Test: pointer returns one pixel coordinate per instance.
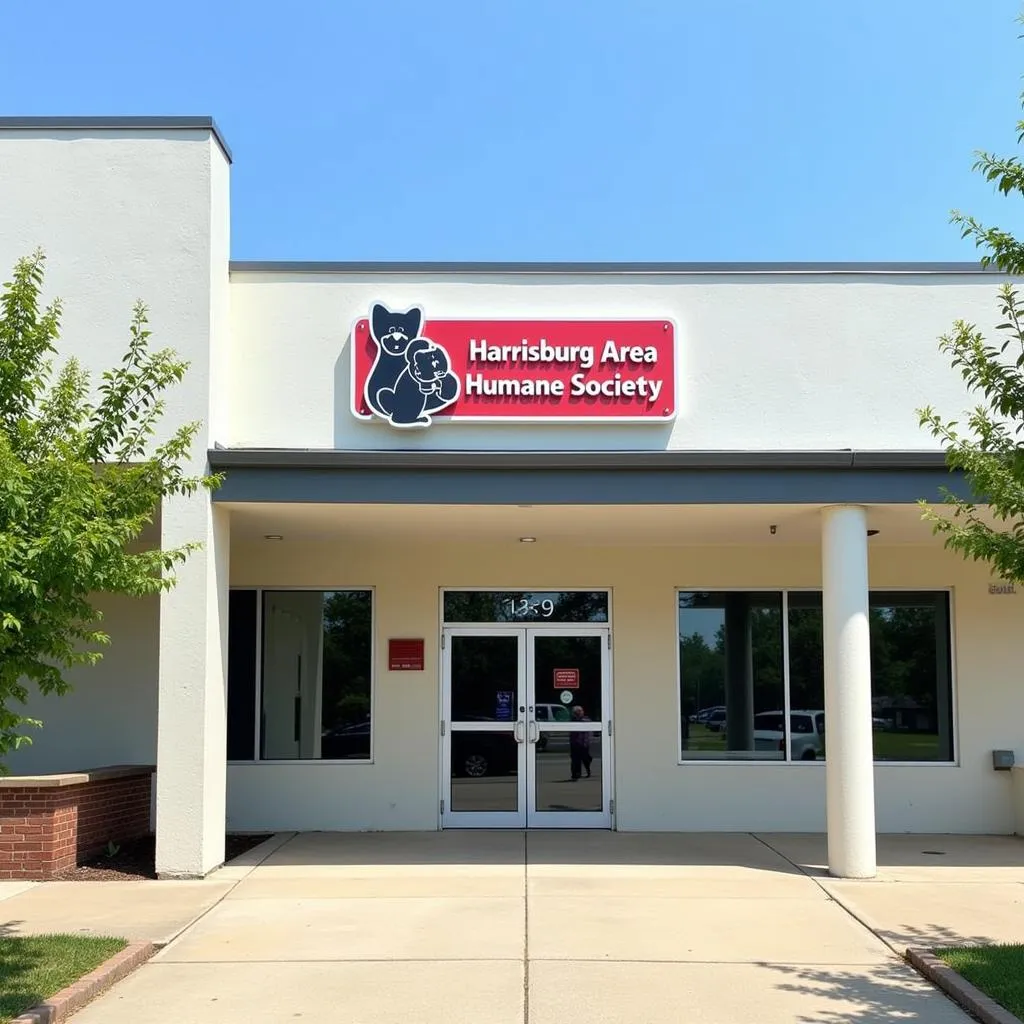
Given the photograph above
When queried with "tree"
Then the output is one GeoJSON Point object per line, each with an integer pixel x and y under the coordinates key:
{"type": "Point", "coordinates": [988, 447]}
{"type": "Point", "coordinates": [81, 476]}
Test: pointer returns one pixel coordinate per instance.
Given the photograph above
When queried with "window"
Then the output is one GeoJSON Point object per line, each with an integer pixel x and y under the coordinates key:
{"type": "Point", "coordinates": [730, 673]}
{"type": "Point", "coordinates": [241, 675]}
{"type": "Point", "coordinates": [525, 606]}
{"type": "Point", "coordinates": [911, 677]}
{"type": "Point", "coordinates": [552, 713]}
{"type": "Point", "coordinates": [313, 690]}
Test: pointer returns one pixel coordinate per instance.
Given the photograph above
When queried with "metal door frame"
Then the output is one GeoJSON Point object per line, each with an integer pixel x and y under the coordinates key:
{"type": "Point", "coordinates": [569, 819]}
{"type": "Point", "coordinates": [527, 730]}
{"type": "Point", "coordinates": [482, 819]}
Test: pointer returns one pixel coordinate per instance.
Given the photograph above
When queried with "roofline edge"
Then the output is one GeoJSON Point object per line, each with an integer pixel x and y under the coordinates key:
{"type": "Point", "coordinates": [70, 123]}
{"type": "Point", "coordinates": [568, 267]}
{"type": "Point", "coordinates": [310, 458]}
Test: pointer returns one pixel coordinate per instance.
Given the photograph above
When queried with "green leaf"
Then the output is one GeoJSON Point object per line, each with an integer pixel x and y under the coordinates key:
{"type": "Point", "coordinates": [79, 482]}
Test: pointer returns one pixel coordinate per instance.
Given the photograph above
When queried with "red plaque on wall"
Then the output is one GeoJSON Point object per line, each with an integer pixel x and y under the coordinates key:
{"type": "Point", "coordinates": [405, 655]}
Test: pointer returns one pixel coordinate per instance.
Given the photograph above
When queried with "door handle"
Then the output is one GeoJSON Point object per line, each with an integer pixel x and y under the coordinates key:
{"type": "Point", "coordinates": [519, 732]}
{"type": "Point", "coordinates": [534, 732]}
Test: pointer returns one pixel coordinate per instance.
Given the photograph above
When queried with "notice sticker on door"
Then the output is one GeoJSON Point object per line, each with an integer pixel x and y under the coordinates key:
{"type": "Point", "coordinates": [567, 678]}
{"type": "Point", "coordinates": [503, 709]}
{"type": "Point", "coordinates": [565, 697]}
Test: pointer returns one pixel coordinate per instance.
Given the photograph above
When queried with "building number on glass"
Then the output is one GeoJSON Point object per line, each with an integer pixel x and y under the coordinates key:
{"type": "Point", "coordinates": [525, 606]}
{"type": "Point", "coordinates": [521, 607]}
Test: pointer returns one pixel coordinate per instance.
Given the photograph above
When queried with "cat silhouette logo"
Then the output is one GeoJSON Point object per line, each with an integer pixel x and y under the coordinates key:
{"type": "Point", "coordinates": [411, 376]}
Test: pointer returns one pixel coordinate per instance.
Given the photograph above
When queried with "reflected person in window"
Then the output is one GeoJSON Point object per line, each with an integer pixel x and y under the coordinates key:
{"type": "Point", "coordinates": [579, 746]}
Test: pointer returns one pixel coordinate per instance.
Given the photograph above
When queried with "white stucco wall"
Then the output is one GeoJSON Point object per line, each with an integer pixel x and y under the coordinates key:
{"type": "Point", "coordinates": [143, 213]}
{"type": "Point", "coordinates": [401, 789]}
{"type": "Point", "coordinates": [110, 715]}
{"type": "Point", "coordinates": [769, 361]}
{"type": "Point", "coordinates": [122, 216]}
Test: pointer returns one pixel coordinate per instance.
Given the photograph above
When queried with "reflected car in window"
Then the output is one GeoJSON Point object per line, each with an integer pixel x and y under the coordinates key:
{"type": "Point", "coordinates": [806, 733]}
{"type": "Point", "coordinates": [550, 713]}
{"type": "Point", "coordinates": [705, 713]}
{"type": "Point", "coordinates": [476, 754]}
{"type": "Point", "coordinates": [346, 742]}
{"type": "Point", "coordinates": [715, 721]}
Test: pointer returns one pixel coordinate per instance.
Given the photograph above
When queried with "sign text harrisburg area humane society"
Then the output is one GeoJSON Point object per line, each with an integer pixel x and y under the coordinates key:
{"type": "Point", "coordinates": [546, 369]}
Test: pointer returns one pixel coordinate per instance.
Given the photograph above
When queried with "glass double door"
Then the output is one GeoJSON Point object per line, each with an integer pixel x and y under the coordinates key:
{"type": "Point", "coordinates": [526, 728]}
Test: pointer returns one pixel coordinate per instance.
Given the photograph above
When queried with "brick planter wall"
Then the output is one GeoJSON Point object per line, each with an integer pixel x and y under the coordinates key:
{"type": "Point", "coordinates": [49, 822]}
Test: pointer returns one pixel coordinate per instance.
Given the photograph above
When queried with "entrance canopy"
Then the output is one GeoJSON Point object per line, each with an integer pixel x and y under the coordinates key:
{"type": "Point", "coordinates": [604, 525]}
{"type": "Point", "coordinates": [582, 478]}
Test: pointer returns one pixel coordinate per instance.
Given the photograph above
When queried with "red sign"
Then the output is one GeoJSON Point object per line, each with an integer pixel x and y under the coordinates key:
{"type": "Point", "coordinates": [405, 655]}
{"type": "Point", "coordinates": [567, 678]}
{"type": "Point", "coordinates": [408, 370]}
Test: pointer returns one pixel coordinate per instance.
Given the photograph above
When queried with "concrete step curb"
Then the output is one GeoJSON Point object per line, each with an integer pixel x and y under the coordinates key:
{"type": "Point", "coordinates": [961, 991]}
{"type": "Point", "coordinates": [71, 999]}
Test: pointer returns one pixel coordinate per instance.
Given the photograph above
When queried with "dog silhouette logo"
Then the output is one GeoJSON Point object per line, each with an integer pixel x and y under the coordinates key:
{"type": "Point", "coordinates": [412, 376]}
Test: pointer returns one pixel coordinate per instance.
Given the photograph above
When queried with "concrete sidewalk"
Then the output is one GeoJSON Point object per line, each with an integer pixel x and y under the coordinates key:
{"type": "Point", "coordinates": [573, 927]}
{"type": "Point", "coordinates": [931, 891]}
{"type": "Point", "coordinates": [150, 910]}
{"type": "Point", "coordinates": [157, 911]}
{"type": "Point", "coordinates": [580, 927]}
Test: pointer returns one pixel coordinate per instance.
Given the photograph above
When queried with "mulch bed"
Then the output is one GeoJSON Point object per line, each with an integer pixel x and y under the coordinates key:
{"type": "Point", "coordinates": [135, 860]}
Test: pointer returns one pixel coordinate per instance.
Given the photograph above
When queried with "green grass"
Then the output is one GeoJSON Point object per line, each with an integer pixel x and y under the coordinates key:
{"type": "Point", "coordinates": [702, 738]}
{"type": "Point", "coordinates": [906, 746]}
{"type": "Point", "coordinates": [33, 968]}
{"type": "Point", "coordinates": [889, 746]}
{"type": "Point", "coordinates": [997, 970]}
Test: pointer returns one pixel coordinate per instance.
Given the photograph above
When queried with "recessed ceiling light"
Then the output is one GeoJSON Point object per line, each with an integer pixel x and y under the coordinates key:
{"type": "Point", "coordinates": [527, 540]}
{"type": "Point", "coordinates": [272, 536]}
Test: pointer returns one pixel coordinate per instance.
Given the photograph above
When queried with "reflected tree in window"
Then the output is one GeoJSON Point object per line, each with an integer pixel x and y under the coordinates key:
{"type": "Point", "coordinates": [581, 606]}
{"type": "Point", "coordinates": [911, 669]}
{"type": "Point", "coordinates": [730, 670]}
{"type": "Point", "coordinates": [911, 692]}
{"type": "Point", "coordinates": [347, 658]}
{"type": "Point", "coordinates": [525, 607]}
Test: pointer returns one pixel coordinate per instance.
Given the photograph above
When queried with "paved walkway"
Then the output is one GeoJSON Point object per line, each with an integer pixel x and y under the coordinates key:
{"type": "Point", "coordinates": [549, 928]}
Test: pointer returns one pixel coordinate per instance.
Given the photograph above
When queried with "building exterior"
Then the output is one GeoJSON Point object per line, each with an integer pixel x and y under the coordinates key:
{"type": "Point", "coordinates": [632, 547]}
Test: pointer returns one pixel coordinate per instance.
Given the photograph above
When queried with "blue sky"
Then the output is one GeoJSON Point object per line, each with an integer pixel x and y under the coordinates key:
{"type": "Point", "coordinates": [560, 129]}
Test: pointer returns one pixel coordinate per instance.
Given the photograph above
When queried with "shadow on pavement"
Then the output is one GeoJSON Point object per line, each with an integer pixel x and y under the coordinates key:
{"type": "Point", "coordinates": [869, 995]}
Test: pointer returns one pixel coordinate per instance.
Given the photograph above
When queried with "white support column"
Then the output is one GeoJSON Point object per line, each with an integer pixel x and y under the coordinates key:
{"type": "Point", "coordinates": [849, 766]}
{"type": "Point", "coordinates": [191, 775]}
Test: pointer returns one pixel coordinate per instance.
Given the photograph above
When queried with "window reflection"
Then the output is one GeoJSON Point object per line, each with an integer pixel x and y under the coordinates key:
{"type": "Point", "coordinates": [730, 671]}
{"type": "Point", "coordinates": [569, 771]}
{"type": "Point", "coordinates": [315, 700]}
{"type": "Point", "coordinates": [806, 677]}
{"type": "Point", "coordinates": [520, 606]}
{"type": "Point", "coordinates": [911, 692]}
{"type": "Point", "coordinates": [484, 771]}
{"type": "Point", "coordinates": [911, 675]}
